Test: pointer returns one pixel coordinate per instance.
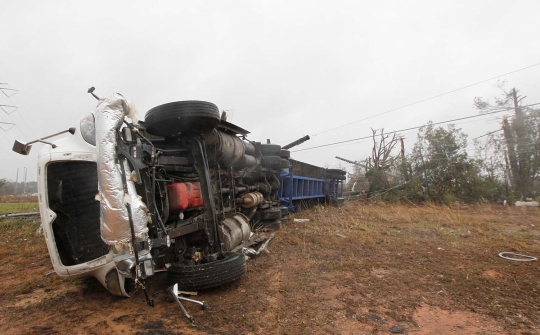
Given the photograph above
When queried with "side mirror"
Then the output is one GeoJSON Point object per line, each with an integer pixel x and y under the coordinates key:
{"type": "Point", "coordinates": [21, 148]}
{"type": "Point", "coordinates": [24, 148]}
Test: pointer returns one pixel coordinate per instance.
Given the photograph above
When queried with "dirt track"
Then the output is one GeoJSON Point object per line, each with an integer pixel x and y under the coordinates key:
{"type": "Point", "coordinates": [427, 269]}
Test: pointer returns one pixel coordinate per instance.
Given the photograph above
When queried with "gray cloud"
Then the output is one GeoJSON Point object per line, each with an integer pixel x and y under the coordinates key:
{"type": "Point", "coordinates": [283, 69]}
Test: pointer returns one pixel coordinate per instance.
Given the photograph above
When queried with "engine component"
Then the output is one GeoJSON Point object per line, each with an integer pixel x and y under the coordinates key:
{"type": "Point", "coordinates": [235, 230]}
{"type": "Point", "coordinates": [115, 225]}
{"type": "Point", "coordinates": [249, 161]}
{"type": "Point", "coordinates": [229, 150]}
{"type": "Point", "coordinates": [251, 199]}
{"type": "Point", "coordinates": [295, 143]}
{"type": "Point", "coordinates": [249, 148]}
{"type": "Point", "coordinates": [183, 196]}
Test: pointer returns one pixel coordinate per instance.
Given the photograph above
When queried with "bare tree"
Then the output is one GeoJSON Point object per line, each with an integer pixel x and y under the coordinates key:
{"type": "Point", "coordinates": [382, 147]}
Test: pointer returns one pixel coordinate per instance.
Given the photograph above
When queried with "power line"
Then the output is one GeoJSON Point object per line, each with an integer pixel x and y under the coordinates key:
{"type": "Point", "coordinates": [3, 89]}
{"type": "Point", "coordinates": [401, 134]}
{"type": "Point", "coordinates": [491, 132]}
{"type": "Point", "coordinates": [13, 110]}
{"type": "Point", "coordinates": [9, 124]}
{"type": "Point", "coordinates": [436, 123]}
{"type": "Point", "coordinates": [424, 100]}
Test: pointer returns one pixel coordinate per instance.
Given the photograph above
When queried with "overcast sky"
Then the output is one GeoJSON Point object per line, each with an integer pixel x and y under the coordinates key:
{"type": "Point", "coordinates": [283, 69]}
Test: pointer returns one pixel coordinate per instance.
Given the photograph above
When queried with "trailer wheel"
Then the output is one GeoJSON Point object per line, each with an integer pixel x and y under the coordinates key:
{"type": "Point", "coordinates": [272, 213]}
{"type": "Point", "coordinates": [285, 153]}
{"type": "Point", "coordinates": [271, 225]}
{"type": "Point", "coordinates": [284, 163]}
{"type": "Point", "coordinates": [207, 275]}
{"type": "Point", "coordinates": [271, 162]}
{"type": "Point", "coordinates": [335, 176]}
{"type": "Point", "coordinates": [176, 117]}
{"type": "Point", "coordinates": [270, 149]}
{"type": "Point", "coordinates": [336, 171]}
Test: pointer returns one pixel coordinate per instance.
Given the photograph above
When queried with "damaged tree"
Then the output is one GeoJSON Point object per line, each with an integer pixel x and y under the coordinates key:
{"type": "Point", "coordinates": [521, 135]}
{"type": "Point", "coordinates": [379, 160]}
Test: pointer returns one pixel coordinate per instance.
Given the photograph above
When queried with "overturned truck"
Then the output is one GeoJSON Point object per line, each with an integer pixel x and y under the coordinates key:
{"type": "Point", "coordinates": [180, 192]}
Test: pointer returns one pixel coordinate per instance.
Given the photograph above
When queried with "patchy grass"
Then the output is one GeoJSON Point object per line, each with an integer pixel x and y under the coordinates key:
{"type": "Point", "coordinates": [397, 265]}
{"type": "Point", "coordinates": [17, 198]}
{"type": "Point", "coordinates": [18, 207]}
{"type": "Point", "coordinates": [18, 204]}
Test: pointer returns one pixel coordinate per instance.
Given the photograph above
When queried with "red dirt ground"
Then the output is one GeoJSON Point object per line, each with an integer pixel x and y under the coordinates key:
{"type": "Point", "coordinates": [426, 269]}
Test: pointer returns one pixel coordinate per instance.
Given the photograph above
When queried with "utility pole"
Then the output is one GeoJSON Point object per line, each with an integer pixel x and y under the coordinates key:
{"type": "Point", "coordinates": [24, 189]}
{"type": "Point", "coordinates": [351, 162]}
{"type": "Point", "coordinates": [16, 181]}
{"type": "Point", "coordinates": [404, 165]}
{"type": "Point", "coordinates": [366, 167]}
{"type": "Point", "coordinates": [521, 148]}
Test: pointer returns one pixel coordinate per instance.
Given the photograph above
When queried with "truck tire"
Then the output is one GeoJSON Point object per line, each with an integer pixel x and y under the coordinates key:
{"type": "Point", "coordinates": [270, 149]}
{"type": "Point", "coordinates": [285, 153]}
{"type": "Point", "coordinates": [271, 162]}
{"type": "Point", "coordinates": [336, 171]}
{"type": "Point", "coordinates": [207, 275]}
{"type": "Point", "coordinates": [284, 164]}
{"type": "Point", "coordinates": [271, 225]}
{"type": "Point", "coordinates": [335, 176]}
{"type": "Point", "coordinates": [180, 116]}
{"type": "Point", "coordinates": [272, 213]}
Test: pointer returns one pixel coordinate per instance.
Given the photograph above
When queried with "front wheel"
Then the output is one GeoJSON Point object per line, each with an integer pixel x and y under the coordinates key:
{"type": "Point", "coordinates": [207, 275]}
{"type": "Point", "coordinates": [177, 117]}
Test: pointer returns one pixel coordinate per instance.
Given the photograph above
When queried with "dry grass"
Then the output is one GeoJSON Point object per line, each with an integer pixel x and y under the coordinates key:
{"type": "Point", "coordinates": [20, 207]}
{"type": "Point", "coordinates": [18, 204]}
{"type": "Point", "coordinates": [394, 261]}
{"type": "Point", "coordinates": [18, 198]}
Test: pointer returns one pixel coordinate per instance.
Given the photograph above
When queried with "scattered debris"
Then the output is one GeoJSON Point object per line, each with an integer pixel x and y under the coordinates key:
{"type": "Point", "coordinates": [527, 203]}
{"type": "Point", "coordinates": [20, 215]}
{"type": "Point", "coordinates": [521, 258]}
{"type": "Point", "coordinates": [301, 220]}
{"type": "Point", "coordinates": [341, 235]}
{"type": "Point", "coordinates": [175, 294]}
{"type": "Point", "coordinates": [397, 329]}
{"type": "Point", "coordinates": [374, 317]}
{"type": "Point", "coordinates": [250, 252]}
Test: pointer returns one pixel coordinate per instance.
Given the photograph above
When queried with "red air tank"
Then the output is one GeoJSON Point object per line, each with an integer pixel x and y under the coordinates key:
{"type": "Point", "coordinates": [183, 196]}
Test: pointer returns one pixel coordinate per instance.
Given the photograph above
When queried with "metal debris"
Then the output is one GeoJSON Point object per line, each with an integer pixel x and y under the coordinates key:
{"type": "Point", "coordinates": [173, 290]}
{"type": "Point", "coordinates": [20, 215]}
{"type": "Point", "coordinates": [522, 258]}
{"type": "Point", "coordinates": [250, 252]}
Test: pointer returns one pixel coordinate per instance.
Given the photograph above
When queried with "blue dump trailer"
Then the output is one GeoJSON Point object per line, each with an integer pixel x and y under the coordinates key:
{"type": "Point", "coordinates": [303, 182]}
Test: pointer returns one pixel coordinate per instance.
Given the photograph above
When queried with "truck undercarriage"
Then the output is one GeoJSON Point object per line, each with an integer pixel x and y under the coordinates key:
{"type": "Point", "coordinates": [182, 192]}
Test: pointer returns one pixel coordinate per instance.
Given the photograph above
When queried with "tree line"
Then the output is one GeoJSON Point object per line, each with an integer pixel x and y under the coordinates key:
{"type": "Point", "coordinates": [505, 165]}
{"type": "Point", "coordinates": [8, 187]}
